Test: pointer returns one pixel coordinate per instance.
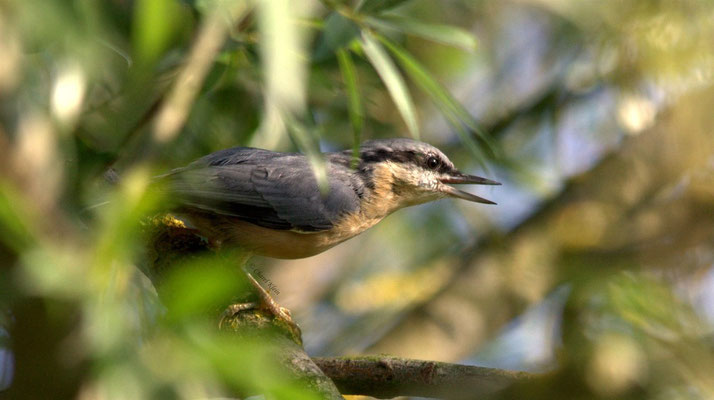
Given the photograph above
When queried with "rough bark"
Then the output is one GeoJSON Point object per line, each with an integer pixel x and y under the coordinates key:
{"type": "Point", "coordinates": [387, 377]}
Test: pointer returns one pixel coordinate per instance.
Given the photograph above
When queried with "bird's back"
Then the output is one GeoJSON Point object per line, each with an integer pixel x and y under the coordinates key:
{"type": "Point", "coordinates": [269, 189]}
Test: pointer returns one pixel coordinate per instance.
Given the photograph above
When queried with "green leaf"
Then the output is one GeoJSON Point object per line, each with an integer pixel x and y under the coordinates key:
{"type": "Point", "coordinates": [468, 140]}
{"type": "Point", "coordinates": [308, 144]}
{"type": "Point", "coordinates": [377, 6]}
{"type": "Point", "coordinates": [154, 23]}
{"type": "Point", "coordinates": [349, 74]}
{"type": "Point", "coordinates": [119, 223]}
{"type": "Point", "coordinates": [393, 80]}
{"type": "Point", "coordinates": [14, 218]}
{"type": "Point", "coordinates": [445, 34]}
{"type": "Point", "coordinates": [452, 109]}
{"type": "Point", "coordinates": [337, 33]}
{"type": "Point", "coordinates": [200, 284]}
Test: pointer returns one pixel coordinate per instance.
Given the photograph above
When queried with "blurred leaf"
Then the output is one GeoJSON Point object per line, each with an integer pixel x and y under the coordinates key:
{"type": "Point", "coordinates": [309, 145]}
{"type": "Point", "coordinates": [349, 75]}
{"type": "Point", "coordinates": [337, 33]}
{"type": "Point", "coordinates": [176, 107]}
{"type": "Point", "coordinates": [393, 80]}
{"type": "Point", "coordinates": [14, 218]}
{"type": "Point", "coordinates": [154, 23]}
{"type": "Point", "coordinates": [376, 6]}
{"type": "Point", "coordinates": [216, 75]}
{"type": "Point", "coordinates": [652, 306]}
{"type": "Point", "coordinates": [117, 233]}
{"type": "Point", "coordinates": [455, 113]}
{"type": "Point", "coordinates": [202, 286]}
{"type": "Point", "coordinates": [55, 271]}
{"type": "Point", "coordinates": [284, 69]}
{"type": "Point", "coordinates": [250, 365]}
{"type": "Point", "coordinates": [205, 6]}
{"type": "Point", "coordinates": [445, 34]}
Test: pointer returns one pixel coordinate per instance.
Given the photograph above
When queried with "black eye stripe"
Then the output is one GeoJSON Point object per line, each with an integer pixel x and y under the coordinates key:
{"type": "Point", "coordinates": [395, 156]}
{"type": "Point", "coordinates": [413, 157]}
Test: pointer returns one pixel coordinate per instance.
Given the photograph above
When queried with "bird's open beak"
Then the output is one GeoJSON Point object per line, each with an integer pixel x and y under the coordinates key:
{"type": "Point", "coordinates": [459, 178]}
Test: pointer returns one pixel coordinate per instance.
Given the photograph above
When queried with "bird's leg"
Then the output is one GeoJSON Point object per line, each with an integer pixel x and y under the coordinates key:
{"type": "Point", "coordinates": [265, 302]}
{"type": "Point", "coordinates": [268, 302]}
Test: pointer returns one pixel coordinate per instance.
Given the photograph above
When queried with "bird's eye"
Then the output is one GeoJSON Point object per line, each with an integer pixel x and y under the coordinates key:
{"type": "Point", "coordinates": [432, 162]}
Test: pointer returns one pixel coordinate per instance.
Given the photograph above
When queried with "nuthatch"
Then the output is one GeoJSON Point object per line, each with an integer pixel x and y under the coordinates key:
{"type": "Point", "coordinates": [270, 203]}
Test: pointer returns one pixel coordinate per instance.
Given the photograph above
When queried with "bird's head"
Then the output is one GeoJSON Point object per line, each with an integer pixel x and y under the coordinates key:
{"type": "Point", "coordinates": [416, 172]}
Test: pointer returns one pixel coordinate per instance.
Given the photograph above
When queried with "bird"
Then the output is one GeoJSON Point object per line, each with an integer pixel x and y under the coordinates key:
{"type": "Point", "coordinates": [271, 204]}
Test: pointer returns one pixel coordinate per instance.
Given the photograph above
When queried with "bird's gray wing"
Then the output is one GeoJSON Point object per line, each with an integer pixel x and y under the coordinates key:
{"type": "Point", "coordinates": [295, 196]}
{"type": "Point", "coordinates": [271, 189]}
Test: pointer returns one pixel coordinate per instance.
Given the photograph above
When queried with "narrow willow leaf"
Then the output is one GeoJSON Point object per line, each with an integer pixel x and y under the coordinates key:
{"type": "Point", "coordinates": [377, 6]}
{"type": "Point", "coordinates": [349, 74]}
{"type": "Point", "coordinates": [468, 140]}
{"type": "Point", "coordinates": [393, 80]}
{"type": "Point", "coordinates": [308, 144]}
{"type": "Point", "coordinates": [445, 34]}
{"type": "Point", "coordinates": [338, 32]}
{"type": "Point", "coordinates": [452, 108]}
{"type": "Point", "coordinates": [426, 81]}
{"type": "Point", "coordinates": [284, 67]}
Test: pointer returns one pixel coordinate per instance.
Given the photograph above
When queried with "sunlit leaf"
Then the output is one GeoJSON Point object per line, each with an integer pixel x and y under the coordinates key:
{"type": "Point", "coordinates": [284, 68]}
{"type": "Point", "coordinates": [445, 34]}
{"type": "Point", "coordinates": [457, 115]}
{"type": "Point", "coordinates": [393, 80]}
{"type": "Point", "coordinates": [154, 24]}
{"type": "Point", "coordinates": [349, 75]}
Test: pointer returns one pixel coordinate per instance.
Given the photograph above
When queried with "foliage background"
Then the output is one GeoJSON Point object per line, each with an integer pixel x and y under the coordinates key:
{"type": "Point", "coordinates": [595, 267]}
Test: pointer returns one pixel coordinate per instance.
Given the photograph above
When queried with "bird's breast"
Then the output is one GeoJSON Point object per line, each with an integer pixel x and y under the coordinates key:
{"type": "Point", "coordinates": [289, 244]}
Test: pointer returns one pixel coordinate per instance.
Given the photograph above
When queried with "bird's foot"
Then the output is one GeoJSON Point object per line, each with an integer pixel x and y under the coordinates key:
{"type": "Point", "coordinates": [266, 303]}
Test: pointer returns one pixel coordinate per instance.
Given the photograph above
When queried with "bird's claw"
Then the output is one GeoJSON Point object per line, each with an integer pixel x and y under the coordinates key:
{"type": "Point", "coordinates": [234, 309]}
{"type": "Point", "coordinates": [265, 302]}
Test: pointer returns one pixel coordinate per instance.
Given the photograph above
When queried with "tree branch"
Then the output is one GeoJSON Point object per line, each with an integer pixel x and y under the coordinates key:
{"type": "Point", "coordinates": [386, 377]}
{"type": "Point", "coordinates": [285, 351]}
